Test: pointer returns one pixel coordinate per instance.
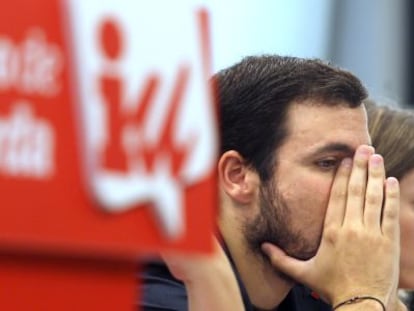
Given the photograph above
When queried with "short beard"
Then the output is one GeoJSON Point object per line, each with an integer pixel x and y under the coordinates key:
{"type": "Point", "coordinates": [274, 225]}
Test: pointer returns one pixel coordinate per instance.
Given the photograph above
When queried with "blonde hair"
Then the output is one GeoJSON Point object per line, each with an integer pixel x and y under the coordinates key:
{"type": "Point", "coordinates": [392, 134]}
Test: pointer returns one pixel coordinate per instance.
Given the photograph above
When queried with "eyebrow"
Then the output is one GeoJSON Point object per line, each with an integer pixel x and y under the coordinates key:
{"type": "Point", "coordinates": [334, 147]}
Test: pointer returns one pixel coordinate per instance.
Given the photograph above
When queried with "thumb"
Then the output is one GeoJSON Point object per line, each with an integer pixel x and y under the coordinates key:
{"type": "Point", "coordinates": [290, 266]}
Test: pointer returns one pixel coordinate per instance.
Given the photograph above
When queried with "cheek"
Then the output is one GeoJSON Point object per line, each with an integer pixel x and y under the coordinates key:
{"type": "Point", "coordinates": [308, 199]}
{"type": "Point", "coordinates": [407, 235]}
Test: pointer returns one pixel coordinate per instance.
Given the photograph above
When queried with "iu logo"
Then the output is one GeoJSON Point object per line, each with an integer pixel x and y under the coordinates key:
{"type": "Point", "coordinates": [150, 127]}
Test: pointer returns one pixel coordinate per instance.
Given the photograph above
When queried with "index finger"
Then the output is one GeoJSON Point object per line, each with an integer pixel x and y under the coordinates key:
{"type": "Point", "coordinates": [357, 186]}
{"type": "Point", "coordinates": [338, 197]}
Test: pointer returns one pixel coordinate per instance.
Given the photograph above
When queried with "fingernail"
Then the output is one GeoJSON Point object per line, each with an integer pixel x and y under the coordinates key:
{"type": "Point", "coordinates": [392, 182]}
{"type": "Point", "coordinates": [347, 162]}
{"type": "Point", "coordinates": [265, 248]}
{"type": "Point", "coordinates": [375, 160]}
{"type": "Point", "coordinates": [366, 150]}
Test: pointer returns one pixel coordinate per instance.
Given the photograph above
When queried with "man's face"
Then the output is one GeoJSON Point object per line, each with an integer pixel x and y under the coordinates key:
{"type": "Point", "coordinates": [293, 204]}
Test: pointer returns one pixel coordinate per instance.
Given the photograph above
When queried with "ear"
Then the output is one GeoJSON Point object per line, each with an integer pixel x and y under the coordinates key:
{"type": "Point", "coordinates": [238, 180]}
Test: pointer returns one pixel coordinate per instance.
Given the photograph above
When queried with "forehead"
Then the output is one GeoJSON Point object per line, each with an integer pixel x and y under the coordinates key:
{"type": "Point", "coordinates": [312, 126]}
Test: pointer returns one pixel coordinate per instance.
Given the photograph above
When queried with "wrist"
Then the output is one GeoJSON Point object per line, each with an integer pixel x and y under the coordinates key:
{"type": "Point", "coordinates": [365, 305]}
{"type": "Point", "coordinates": [363, 302]}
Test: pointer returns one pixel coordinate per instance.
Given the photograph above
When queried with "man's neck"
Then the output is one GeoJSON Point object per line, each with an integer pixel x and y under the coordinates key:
{"type": "Point", "coordinates": [265, 288]}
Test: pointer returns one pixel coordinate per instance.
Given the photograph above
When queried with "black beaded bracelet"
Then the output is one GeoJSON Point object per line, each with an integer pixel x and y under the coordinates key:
{"type": "Point", "coordinates": [359, 299]}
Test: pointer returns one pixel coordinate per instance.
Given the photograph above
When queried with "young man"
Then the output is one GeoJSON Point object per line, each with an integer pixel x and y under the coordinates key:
{"type": "Point", "coordinates": [294, 205]}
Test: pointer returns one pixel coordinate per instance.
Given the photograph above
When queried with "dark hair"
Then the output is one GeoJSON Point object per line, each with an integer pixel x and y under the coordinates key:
{"type": "Point", "coordinates": [254, 96]}
{"type": "Point", "coordinates": [392, 134]}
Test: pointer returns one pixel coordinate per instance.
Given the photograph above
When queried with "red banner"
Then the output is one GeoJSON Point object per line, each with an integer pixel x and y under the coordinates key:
{"type": "Point", "coordinates": [107, 146]}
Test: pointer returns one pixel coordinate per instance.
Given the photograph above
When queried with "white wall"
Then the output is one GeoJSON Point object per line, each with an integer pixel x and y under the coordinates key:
{"type": "Point", "coordinates": [246, 27]}
{"type": "Point", "coordinates": [364, 36]}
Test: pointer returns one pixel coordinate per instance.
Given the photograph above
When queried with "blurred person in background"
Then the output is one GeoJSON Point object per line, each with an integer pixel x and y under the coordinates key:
{"type": "Point", "coordinates": [392, 134]}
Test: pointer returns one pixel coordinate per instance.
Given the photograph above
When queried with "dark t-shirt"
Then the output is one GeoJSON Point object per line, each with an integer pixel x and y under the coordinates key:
{"type": "Point", "coordinates": [161, 291]}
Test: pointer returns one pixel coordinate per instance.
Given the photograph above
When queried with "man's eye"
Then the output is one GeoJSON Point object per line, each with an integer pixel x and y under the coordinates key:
{"type": "Point", "coordinates": [327, 163]}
